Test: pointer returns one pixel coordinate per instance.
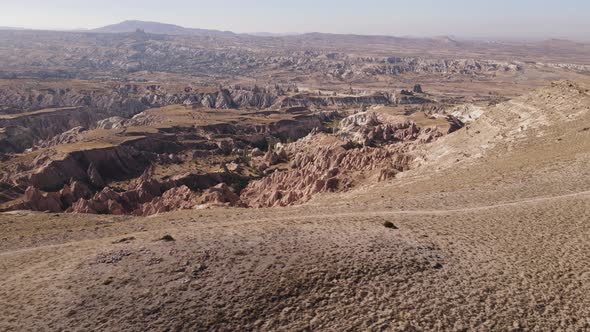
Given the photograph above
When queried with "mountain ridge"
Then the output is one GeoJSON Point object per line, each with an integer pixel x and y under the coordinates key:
{"type": "Point", "coordinates": [158, 28]}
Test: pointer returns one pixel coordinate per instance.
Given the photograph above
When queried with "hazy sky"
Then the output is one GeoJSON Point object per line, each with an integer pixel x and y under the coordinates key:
{"type": "Point", "coordinates": [463, 18]}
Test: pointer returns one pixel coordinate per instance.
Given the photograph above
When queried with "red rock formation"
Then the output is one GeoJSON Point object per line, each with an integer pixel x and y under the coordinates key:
{"type": "Point", "coordinates": [107, 201]}
{"type": "Point", "coordinates": [319, 164]}
{"type": "Point", "coordinates": [73, 192]}
{"type": "Point", "coordinates": [179, 198]}
{"type": "Point", "coordinates": [182, 198]}
{"type": "Point", "coordinates": [148, 196]}
{"type": "Point", "coordinates": [368, 145]}
{"type": "Point", "coordinates": [37, 200]}
{"type": "Point", "coordinates": [220, 194]}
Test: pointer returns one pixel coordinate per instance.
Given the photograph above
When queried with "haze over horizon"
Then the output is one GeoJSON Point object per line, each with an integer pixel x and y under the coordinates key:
{"type": "Point", "coordinates": [523, 18]}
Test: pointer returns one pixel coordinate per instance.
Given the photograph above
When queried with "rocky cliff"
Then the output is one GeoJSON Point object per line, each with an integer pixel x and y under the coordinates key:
{"type": "Point", "coordinates": [368, 146]}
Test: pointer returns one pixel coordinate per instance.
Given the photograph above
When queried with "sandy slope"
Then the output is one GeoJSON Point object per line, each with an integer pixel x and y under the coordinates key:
{"type": "Point", "coordinates": [490, 241]}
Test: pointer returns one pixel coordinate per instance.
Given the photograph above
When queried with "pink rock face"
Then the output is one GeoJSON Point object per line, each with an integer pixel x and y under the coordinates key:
{"type": "Point", "coordinates": [148, 196]}
{"type": "Point", "coordinates": [73, 192]}
{"type": "Point", "coordinates": [220, 194]}
{"type": "Point", "coordinates": [107, 201]}
{"type": "Point", "coordinates": [86, 206]}
{"type": "Point", "coordinates": [182, 198]}
{"type": "Point", "coordinates": [37, 200]}
{"type": "Point", "coordinates": [368, 145]}
{"type": "Point", "coordinates": [179, 198]}
{"type": "Point", "coordinates": [319, 164]}
{"type": "Point", "coordinates": [146, 187]}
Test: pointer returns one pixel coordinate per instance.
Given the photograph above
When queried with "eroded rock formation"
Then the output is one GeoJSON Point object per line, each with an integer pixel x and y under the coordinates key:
{"type": "Point", "coordinates": [369, 145]}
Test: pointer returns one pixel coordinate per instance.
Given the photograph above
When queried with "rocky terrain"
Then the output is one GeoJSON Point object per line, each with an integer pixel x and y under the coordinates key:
{"type": "Point", "coordinates": [487, 229]}
{"type": "Point", "coordinates": [154, 177]}
{"type": "Point", "coordinates": [205, 149]}
{"type": "Point", "coordinates": [305, 58]}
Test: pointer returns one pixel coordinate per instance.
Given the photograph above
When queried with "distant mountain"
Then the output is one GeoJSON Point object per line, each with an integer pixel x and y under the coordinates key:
{"type": "Point", "coordinates": [159, 28]}
{"type": "Point", "coordinates": [274, 34]}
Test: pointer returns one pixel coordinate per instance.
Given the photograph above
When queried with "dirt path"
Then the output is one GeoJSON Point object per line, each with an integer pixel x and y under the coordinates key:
{"type": "Point", "coordinates": [351, 214]}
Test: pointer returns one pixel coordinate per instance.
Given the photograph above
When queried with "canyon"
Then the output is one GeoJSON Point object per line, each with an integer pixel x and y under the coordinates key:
{"type": "Point", "coordinates": [155, 177]}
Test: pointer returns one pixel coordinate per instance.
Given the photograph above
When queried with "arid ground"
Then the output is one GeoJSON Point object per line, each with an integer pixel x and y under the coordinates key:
{"type": "Point", "coordinates": [488, 231]}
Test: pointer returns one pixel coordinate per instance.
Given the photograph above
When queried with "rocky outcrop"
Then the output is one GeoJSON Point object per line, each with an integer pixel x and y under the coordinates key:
{"type": "Point", "coordinates": [307, 100]}
{"type": "Point", "coordinates": [179, 198]}
{"type": "Point", "coordinates": [115, 122]}
{"type": "Point", "coordinates": [382, 98]}
{"type": "Point", "coordinates": [73, 192]}
{"type": "Point", "coordinates": [220, 194]}
{"type": "Point", "coordinates": [51, 171]}
{"type": "Point", "coordinates": [107, 201]}
{"type": "Point", "coordinates": [68, 137]}
{"type": "Point", "coordinates": [23, 131]}
{"type": "Point", "coordinates": [37, 200]}
{"type": "Point", "coordinates": [147, 196]}
{"type": "Point", "coordinates": [466, 113]}
{"type": "Point", "coordinates": [373, 128]}
{"type": "Point", "coordinates": [33, 114]}
{"type": "Point", "coordinates": [368, 145]}
{"type": "Point", "coordinates": [319, 164]}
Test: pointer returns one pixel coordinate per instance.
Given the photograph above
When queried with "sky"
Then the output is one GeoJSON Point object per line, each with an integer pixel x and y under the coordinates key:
{"type": "Point", "coordinates": [461, 18]}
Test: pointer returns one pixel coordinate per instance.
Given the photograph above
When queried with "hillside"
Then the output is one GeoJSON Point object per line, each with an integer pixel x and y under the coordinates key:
{"type": "Point", "coordinates": [489, 231]}
{"type": "Point", "coordinates": [158, 28]}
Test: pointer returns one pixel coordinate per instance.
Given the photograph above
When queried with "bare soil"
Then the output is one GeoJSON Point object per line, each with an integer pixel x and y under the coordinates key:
{"type": "Point", "coordinates": [498, 242]}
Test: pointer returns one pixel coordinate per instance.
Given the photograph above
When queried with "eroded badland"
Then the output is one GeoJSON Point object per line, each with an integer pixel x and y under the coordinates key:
{"type": "Point", "coordinates": [312, 182]}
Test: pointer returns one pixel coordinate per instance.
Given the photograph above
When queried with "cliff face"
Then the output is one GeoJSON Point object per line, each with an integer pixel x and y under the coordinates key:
{"type": "Point", "coordinates": [318, 101]}
{"type": "Point", "coordinates": [117, 162]}
{"type": "Point", "coordinates": [308, 100]}
{"type": "Point", "coordinates": [23, 131]}
{"type": "Point", "coordinates": [32, 114]}
{"type": "Point", "coordinates": [129, 99]}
